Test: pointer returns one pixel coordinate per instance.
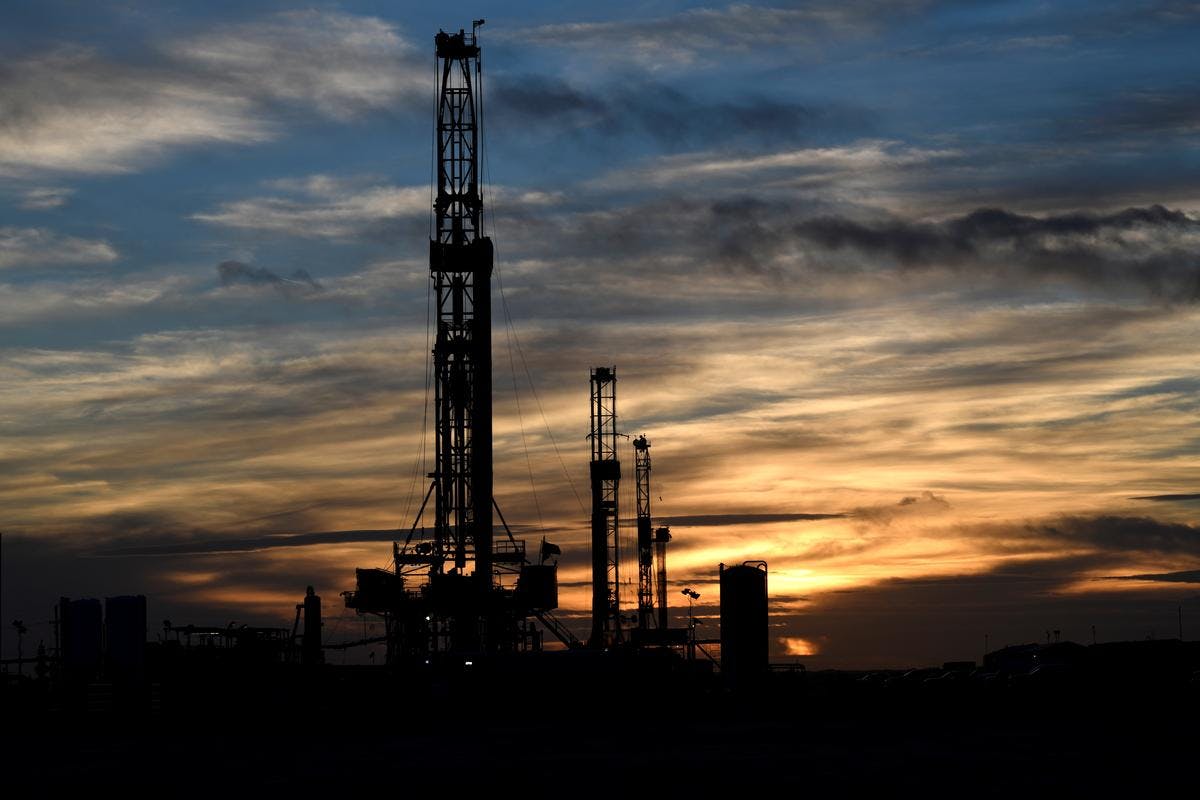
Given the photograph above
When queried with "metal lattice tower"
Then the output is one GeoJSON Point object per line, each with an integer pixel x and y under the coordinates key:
{"type": "Point", "coordinates": [457, 592]}
{"type": "Point", "coordinates": [661, 537]}
{"type": "Point", "coordinates": [645, 548]}
{"type": "Point", "coordinates": [606, 479]}
{"type": "Point", "coordinates": [460, 264]}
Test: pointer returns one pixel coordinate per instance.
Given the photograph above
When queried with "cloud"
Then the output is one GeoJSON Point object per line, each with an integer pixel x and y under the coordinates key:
{"type": "Point", "coordinates": [341, 65]}
{"type": "Point", "coordinates": [199, 545]}
{"type": "Point", "coordinates": [1157, 113]}
{"type": "Point", "coordinates": [691, 37]}
{"type": "Point", "coordinates": [672, 117]}
{"type": "Point", "coordinates": [775, 235]}
{"type": "Point", "coordinates": [1169, 498]}
{"type": "Point", "coordinates": [87, 297]}
{"type": "Point", "coordinates": [1153, 247]}
{"type": "Point", "coordinates": [235, 273]}
{"type": "Point", "coordinates": [322, 206]}
{"type": "Point", "coordinates": [1186, 576]}
{"type": "Point", "coordinates": [906, 622]}
{"type": "Point", "coordinates": [44, 198]}
{"type": "Point", "coordinates": [74, 110]}
{"type": "Point", "coordinates": [325, 206]}
{"type": "Point", "coordinates": [908, 508]}
{"type": "Point", "coordinates": [717, 520]}
{"type": "Point", "coordinates": [862, 162]}
{"type": "Point", "coordinates": [35, 247]}
{"type": "Point", "coordinates": [782, 238]}
{"type": "Point", "coordinates": [1110, 533]}
{"type": "Point", "coordinates": [990, 46]}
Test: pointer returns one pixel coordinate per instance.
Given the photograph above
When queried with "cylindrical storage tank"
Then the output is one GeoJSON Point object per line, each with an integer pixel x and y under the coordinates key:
{"type": "Point", "coordinates": [81, 636]}
{"type": "Point", "coordinates": [310, 648]}
{"type": "Point", "coordinates": [125, 637]}
{"type": "Point", "coordinates": [744, 637]}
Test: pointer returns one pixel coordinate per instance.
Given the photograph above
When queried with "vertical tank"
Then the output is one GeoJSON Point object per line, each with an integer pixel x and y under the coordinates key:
{"type": "Point", "coordinates": [80, 637]}
{"type": "Point", "coordinates": [310, 647]}
{"type": "Point", "coordinates": [744, 638]}
{"type": "Point", "coordinates": [125, 637]}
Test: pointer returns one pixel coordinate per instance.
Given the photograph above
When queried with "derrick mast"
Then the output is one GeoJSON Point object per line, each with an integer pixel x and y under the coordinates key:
{"type": "Point", "coordinates": [460, 264]}
{"type": "Point", "coordinates": [455, 591]}
{"type": "Point", "coordinates": [605, 479]}
{"type": "Point", "coordinates": [661, 536]}
{"type": "Point", "coordinates": [645, 548]}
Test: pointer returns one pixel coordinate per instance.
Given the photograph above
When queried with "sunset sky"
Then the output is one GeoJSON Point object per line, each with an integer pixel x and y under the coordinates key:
{"type": "Point", "coordinates": [906, 296]}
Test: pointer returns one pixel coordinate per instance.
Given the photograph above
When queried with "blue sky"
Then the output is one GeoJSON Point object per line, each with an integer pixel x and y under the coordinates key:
{"type": "Point", "coordinates": [848, 255]}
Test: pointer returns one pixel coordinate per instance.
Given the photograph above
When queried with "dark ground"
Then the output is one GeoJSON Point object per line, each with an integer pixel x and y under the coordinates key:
{"type": "Point", "coordinates": [799, 734]}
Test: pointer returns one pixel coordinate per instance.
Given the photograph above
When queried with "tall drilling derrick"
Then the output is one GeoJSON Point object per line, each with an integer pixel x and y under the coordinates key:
{"type": "Point", "coordinates": [460, 264]}
{"type": "Point", "coordinates": [606, 479]}
{"type": "Point", "coordinates": [645, 540]}
{"type": "Point", "coordinates": [460, 603]}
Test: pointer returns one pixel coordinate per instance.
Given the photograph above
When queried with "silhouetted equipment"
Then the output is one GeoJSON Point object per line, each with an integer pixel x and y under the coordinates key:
{"type": "Point", "coordinates": [744, 633]}
{"type": "Point", "coordinates": [454, 589]}
{"type": "Point", "coordinates": [606, 481]}
{"type": "Point", "coordinates": [310, 648]}
{"type": "Point", "coordinates": [653, 628]}
{"type": "Point", "coordinates": [125, 637]}
{"type": "Point", "coordinates": [460, 264]}
{"type": "Point", "coordinates": [662, 535]}
{"type": "Point", "coordinates": [21, 630]}
{"type": "Point", "coordinates": [537, 588]}
{"type": "Point", "coordinates": [234, 645]}
{"type": "Point", "coordinates": [378, 589]}
{"type": "Point", "coordinates": [645, 533]}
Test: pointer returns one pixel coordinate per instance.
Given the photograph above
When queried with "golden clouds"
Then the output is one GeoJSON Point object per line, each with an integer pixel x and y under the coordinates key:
{"type": "Point", "coordinates": [925, 444]}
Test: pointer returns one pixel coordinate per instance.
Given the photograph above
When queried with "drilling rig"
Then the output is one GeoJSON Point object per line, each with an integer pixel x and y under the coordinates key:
{"type": "Point", "coordinates": [652, 555]}
{"type": "Point", "coordinates": [453, 589]}
{"type": "Point", "coordinates": [662, 535]}
{"type": "Point", "coordinates": [645, 538]}
{"type": "Point", "coordinates": [606, 481]}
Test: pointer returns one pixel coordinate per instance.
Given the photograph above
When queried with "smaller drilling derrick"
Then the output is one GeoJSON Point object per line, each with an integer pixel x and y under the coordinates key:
{"type": "Point", "coordinates": [645, 547]}
{"type": "Point", "coordinates": [606, 479]}
{"type": "Point", "coordinates": [661, 536]}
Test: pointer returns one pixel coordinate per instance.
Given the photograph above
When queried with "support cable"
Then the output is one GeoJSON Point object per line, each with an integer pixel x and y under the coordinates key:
{"type": "Point", "coordinates": [521, 423]}
{"type": "Point", "coordinates": [489, 210]}
{"type": "Point", "coordinates": [420, 461]}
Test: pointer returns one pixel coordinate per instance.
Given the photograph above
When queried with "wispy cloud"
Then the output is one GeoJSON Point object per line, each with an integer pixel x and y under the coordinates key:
{"type": "Point", "coordinates": [44, 198]}
{"type": "Point", "coordinates": [236, 273]}
{"type": "Point", "coordinates": [675, 118]}
{"type": "Point", "coordinates": [860, 162]}
{"type": "Point", "coordinates": [37, 247]}
{"type": "Point", "coordinates": [76, 110]}
{"type": "Point", "coordinates": [87, 297]}
{"type": "Point", "coordinates": [1169, 498]}
{"type": "Point", "coordinates": [719, 520]}
{"type": "Point", "coordinates": [1152, 114]}
{"type": "Point", "coordinates": [699, 34]}
{"type": "Point", "coordinates": [995, 45]}
{"type": "Point", "coordinates": [1185, 576]}
{"type": "Point", "coordinates": [1153, 247]}
{"type": "Point", "coordinates": [322, 206]}
{"type": "Point", "coordinates": [326, 206]}
{"type": "Point", "coordinates": [340, 64]}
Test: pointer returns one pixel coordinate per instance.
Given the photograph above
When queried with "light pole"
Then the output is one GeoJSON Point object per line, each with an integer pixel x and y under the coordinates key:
{"type": "Point", "coordinates": [21, 631]}
{"type": "Point", "coordinates": [692, 595]}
